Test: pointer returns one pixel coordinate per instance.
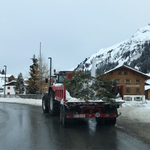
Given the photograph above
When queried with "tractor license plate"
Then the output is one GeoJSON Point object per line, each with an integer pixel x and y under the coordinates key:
{"type": "Point", "coordinates": [79, 116]}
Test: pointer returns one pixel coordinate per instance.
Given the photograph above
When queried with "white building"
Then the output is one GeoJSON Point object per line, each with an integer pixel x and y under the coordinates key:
{"type": "Point", "coordinates": [9, 86]}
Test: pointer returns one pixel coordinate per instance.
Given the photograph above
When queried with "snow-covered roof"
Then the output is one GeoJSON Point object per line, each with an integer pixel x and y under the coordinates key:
{"type": "Point", "coordinates": [7, 75]}
{"type": "Point", "coordinates": [11, 82]}
{"type": "Point", "coordinates": [147, 87]}
{"type": "Point", "coordinates": [146, 76]}
{"type": "Point", "coordinates": [2, 77]}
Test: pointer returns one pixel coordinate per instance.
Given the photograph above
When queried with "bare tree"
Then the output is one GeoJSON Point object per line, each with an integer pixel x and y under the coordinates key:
{"type": "Point", "coordinates": [43, 74]}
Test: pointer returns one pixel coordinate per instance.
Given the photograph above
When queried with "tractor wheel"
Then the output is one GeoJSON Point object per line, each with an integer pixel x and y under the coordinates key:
{"type": "Point", "coordinates": [53, 105]}
{"type": "Point", "coordinates": [112, 122]}
{"type": "Point", "coordinates": [100, 121]}
{"type": "Point", "coordinates": [61, 113]}
{"type": "Point", "coordinates": [64, 119]}
{"type": "Point", "coordinates": [45, 103]}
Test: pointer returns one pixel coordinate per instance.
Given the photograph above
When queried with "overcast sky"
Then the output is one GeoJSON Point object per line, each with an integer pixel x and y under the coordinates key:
{"type": "Point", "coordinates": [69, 30]}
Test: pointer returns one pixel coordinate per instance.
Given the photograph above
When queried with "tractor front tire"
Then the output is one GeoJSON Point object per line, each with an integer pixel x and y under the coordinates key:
{"type": "Point", "coordinates": [45, 103]}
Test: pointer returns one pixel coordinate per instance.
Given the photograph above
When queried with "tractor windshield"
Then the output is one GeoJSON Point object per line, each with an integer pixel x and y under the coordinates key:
{"type": "Point", "coordinates": [61, 78]}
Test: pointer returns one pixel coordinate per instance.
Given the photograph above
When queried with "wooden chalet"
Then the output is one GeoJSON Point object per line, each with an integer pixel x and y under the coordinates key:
{"type": "Point", "coordinates": [132, 81]}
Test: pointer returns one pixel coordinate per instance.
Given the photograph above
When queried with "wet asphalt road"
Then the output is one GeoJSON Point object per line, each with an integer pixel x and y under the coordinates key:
{"type": "Point", "coordinates": [25, 127]}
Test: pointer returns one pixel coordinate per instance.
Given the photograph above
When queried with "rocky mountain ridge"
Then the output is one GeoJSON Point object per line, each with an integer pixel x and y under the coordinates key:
{"type": "Point", "coordinates": [134, 52]}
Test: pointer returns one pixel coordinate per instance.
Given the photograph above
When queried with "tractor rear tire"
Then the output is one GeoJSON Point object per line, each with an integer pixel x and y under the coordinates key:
{"type": "Point", "coordinates": [61, 113]}
{"type": "Point", "coordinates": [53, 105]}
{"type": "Point", "coordinates": [64, 119]}
{"type": "Point", "coordinates": [45, 103]}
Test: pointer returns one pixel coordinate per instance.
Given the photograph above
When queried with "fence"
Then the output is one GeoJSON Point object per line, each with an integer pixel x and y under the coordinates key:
{"type": "Point", "coordinates": [9, 96]}
{"type": "Point", "coordinates": [32, 96]}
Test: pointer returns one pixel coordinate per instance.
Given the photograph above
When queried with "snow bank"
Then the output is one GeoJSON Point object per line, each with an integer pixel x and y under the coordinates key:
{"type": "Point", "coordinates": [136, 104]}
{"type": "Point", "coordinates": [22, 101]}
{"type": "Point", "coordinates": [137, 111]}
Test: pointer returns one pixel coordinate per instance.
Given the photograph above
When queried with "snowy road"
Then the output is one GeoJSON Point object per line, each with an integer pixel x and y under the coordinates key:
{"type": "Point", "coordinates": [26, 127]}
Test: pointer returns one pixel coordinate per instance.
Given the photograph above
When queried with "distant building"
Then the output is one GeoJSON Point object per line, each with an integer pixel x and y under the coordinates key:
{"type": "Point", "coordinates": [8, 85]}
{"type": "Point", "coordinates": [10, 88]}
{"type": "Point", "coordinates": [133, 82]}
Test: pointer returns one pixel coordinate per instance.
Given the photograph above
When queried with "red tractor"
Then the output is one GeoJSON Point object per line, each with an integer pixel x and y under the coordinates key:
{"type": "Point", "coordinates": [56, 102]}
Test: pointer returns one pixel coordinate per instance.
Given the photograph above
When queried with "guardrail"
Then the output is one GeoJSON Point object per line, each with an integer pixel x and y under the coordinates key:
{"type": "Point", "coordinates": [32, 96]}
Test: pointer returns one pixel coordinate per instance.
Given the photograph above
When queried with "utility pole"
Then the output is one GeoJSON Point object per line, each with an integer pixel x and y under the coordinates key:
{"type": "Point", "coordinates": [50, 69]}
{"type": "Point", "coordinates": [5, 80]}
{"type": "Point", "coordinates": [40, 67]}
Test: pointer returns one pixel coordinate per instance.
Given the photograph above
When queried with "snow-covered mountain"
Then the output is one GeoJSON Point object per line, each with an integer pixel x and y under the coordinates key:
{"type": "Point", "coordinates": [134, 52]}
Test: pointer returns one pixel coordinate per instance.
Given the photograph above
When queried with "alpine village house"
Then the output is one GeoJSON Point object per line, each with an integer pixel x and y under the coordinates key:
{"type": "Point", "coordinates": [131, 81]}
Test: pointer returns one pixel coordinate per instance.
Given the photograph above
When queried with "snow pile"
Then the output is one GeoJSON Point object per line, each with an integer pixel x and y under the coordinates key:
{"type": "Point", "coordinates": [138, 111]}
{"type": "Point", "coordinates": [136, 104]}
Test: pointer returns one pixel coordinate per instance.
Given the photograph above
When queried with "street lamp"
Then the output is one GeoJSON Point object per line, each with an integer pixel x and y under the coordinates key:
{"type": "Point", "coordinates": [50, 69]}
{"type": "Point", "coordinates": [5, 80]}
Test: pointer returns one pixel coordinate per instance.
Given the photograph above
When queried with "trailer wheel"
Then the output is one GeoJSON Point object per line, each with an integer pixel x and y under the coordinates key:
{"type": "Point", "coordinates": [53, 105]}
{"type": "Point", "coordinates": [45, 103]}
{"type": "Point", "coordinates": [112, 122]}
{"type": "Point", "coordinates": [100, 121]}
{"type": "Point", "coordinates": [64, 119]}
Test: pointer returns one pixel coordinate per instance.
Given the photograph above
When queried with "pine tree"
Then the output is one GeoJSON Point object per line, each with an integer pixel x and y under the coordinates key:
{"type": "Point", "coordinates": [19, 88]}
{"type": "Point", "coordinates": [104, 89]}
{"type": "Point", "coordinates": [79, 85]}
{"type": "Point", "coordinates": [33, 80]}
{"type": "Point", "coordinates": [83, 86]}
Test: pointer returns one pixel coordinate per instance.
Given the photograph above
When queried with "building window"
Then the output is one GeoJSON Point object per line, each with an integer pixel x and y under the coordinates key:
{"type": "Point", "coordinates": [128, 90]}
{"type": "Point", "coordinates": [117, 81]}
{"type": "Point", "coordinates": [119, 73]}
{"type": "Point", "coordinates": [137, 98]}
{"type": "Point", "coordinates": [137, 81]}
{"type": "Point", "coordinates": [8, 87]}
{"type": "Point", "coordinates": [127, 81]}
{"type": "Point", "coordinates": [125, 72]}
{"type": "Point", "coordinates": [137, 90]}
{"type": "Point", "coordinates": [127, 98]}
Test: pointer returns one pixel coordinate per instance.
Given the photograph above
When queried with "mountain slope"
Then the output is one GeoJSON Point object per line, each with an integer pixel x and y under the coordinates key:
{"type": "Point", "coordinates": [134, 52]}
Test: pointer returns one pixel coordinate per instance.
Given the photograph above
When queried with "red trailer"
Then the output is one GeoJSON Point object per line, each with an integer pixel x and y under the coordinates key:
{"type": "Point", "coordinates": [58, 102]}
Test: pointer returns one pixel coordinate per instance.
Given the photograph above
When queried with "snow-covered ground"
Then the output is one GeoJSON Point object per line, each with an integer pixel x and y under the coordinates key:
{"type": "Point", "coordinates": [139, 111]}
{"type": "Point", "coordinates": [36, 102]}
{"type": "Point", "coordinates": [134, 110]}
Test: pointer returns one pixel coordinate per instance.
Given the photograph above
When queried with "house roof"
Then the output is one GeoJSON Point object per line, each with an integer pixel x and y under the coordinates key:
{"type": "Point", "coordinates": [124, 66]}
{"type": "Point", "coordinates": [147, 87]}
{"type": "Point", "coordinates": [10, 83]}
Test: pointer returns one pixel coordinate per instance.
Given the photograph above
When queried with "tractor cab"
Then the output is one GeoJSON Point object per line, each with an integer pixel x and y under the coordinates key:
{"type": "Point", "coordinates": [62, 75]}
